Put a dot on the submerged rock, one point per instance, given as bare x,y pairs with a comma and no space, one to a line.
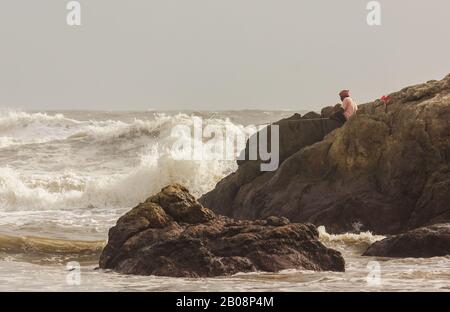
425,242
386,170
171,234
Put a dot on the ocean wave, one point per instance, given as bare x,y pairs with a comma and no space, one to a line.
159,127
157,167
116,129
360,241
84,174
23,128
10,119
124,190
26,128
7,141
49,250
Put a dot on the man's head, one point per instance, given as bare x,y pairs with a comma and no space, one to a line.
344,94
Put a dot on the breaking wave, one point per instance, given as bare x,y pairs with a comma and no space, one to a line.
24,128
48,250
110,163
358,242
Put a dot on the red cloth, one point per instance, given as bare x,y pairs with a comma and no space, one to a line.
344,93
384,99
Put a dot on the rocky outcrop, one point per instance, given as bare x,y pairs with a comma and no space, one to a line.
386,170
296,132
426,242
171,234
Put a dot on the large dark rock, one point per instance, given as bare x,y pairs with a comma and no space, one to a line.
296,132
171,234
426,242
386,170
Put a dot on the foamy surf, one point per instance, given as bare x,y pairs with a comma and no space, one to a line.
65,178
74,173
357,242
24,128
19,191
116,164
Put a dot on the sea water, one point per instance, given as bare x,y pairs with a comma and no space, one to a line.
66,177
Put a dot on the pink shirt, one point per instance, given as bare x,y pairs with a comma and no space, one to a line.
349,107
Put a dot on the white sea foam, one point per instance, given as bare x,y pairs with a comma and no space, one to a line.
24,128
357,241
10,119
112,179
64,178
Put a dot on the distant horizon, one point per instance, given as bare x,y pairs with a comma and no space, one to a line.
150,110
200,110
215,55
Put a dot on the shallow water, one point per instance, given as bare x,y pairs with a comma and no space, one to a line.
44,268
66,177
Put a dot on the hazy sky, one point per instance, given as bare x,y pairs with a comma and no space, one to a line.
215,54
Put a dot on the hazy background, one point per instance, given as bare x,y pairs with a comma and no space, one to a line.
215,54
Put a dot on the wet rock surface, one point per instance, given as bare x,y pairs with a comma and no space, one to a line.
171,234
425,242
386,170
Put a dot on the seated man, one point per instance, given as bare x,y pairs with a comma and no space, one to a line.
347,109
